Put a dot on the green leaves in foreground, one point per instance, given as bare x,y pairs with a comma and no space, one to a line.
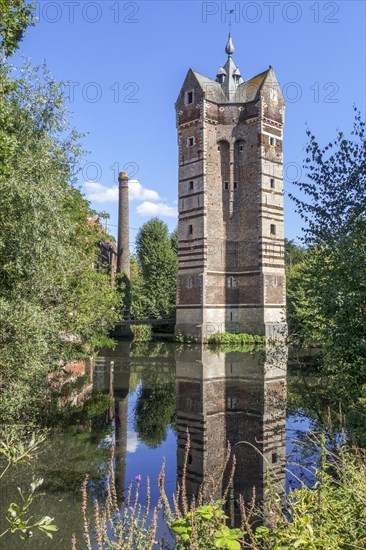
206,525
20,519
228,538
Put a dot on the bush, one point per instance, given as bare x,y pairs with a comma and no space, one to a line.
182,338
141,333
243,338
330,515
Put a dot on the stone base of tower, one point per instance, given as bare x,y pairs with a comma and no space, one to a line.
201,323
189,322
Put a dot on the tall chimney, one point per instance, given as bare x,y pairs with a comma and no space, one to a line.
123,255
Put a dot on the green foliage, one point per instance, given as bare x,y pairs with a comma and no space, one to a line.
182,338
228,338
205,528
19,516
15,17
328,293
159,264
174,240
51,295
294,254
20,520
139,301
332,514
141,333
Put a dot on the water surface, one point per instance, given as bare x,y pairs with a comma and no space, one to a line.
160,393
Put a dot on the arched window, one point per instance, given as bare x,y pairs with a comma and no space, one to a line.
224,148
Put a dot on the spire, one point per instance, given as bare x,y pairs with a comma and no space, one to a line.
229,75
229,46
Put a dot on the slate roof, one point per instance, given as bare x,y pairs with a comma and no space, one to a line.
247,91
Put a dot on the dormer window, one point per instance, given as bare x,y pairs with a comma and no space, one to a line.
190,142
221,75
189,97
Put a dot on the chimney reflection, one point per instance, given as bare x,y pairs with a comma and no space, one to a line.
112,375
238,398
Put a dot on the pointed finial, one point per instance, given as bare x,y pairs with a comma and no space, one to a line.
229,46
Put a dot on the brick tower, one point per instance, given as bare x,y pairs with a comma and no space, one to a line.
231,239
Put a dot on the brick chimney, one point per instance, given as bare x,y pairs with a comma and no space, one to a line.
123,256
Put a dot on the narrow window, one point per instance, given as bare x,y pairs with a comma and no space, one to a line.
236,184
189,97
272,141
226,185
190,282
190,230
218,147
272,183
273,229
190,142
274,458
182,203
189,459
232,402
230,283
275,280
231,315
241,148
198,200
191,185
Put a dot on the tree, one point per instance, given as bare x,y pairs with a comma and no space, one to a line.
174,240
159,264
53,302
139,300
335,188
331,293
15,17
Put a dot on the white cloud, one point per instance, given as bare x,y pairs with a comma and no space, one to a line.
132,442
148,208
98,192
140,193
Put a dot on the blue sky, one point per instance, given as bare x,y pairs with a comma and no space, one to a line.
127,62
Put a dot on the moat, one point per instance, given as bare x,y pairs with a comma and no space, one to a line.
158,391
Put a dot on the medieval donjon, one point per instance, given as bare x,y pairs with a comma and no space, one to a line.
231,238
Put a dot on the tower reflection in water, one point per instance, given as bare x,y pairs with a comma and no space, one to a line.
221,397
237,398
